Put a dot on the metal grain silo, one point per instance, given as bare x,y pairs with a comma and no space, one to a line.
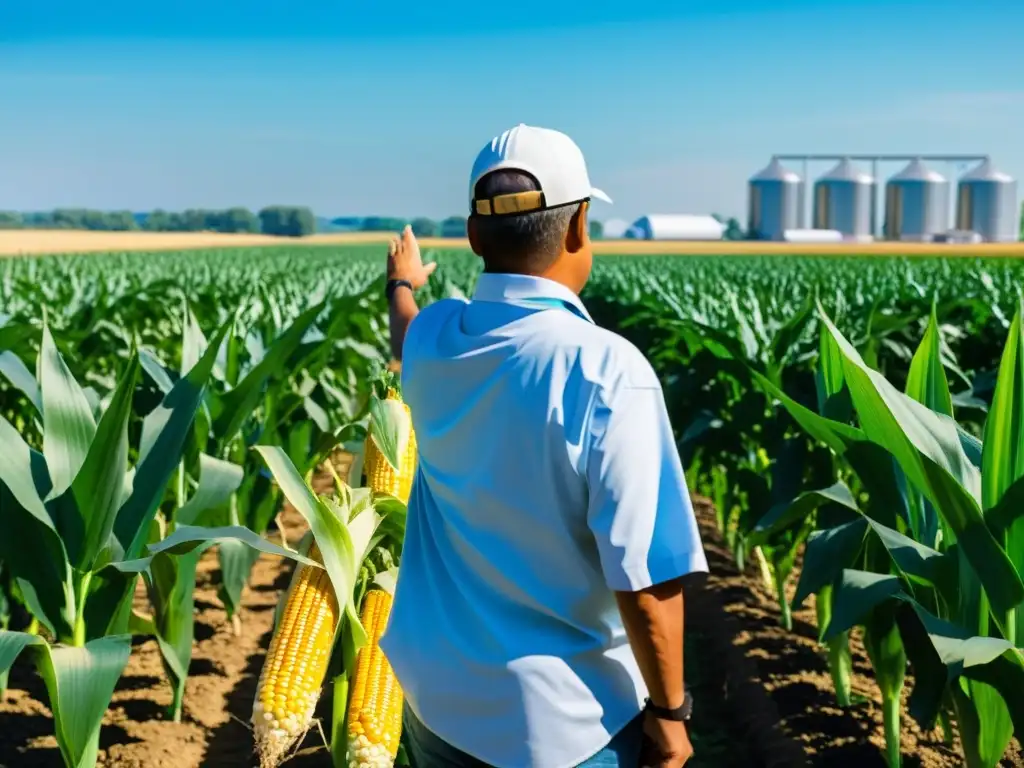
987,204
916,204
776,202
843,200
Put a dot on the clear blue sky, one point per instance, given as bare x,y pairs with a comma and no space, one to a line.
379,106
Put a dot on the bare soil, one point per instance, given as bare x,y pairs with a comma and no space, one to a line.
764,696
40,241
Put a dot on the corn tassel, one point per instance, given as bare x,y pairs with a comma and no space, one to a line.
381,477
375,710
296,663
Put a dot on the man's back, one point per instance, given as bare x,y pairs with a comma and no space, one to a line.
505,630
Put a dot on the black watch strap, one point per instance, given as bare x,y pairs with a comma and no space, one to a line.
680,714
394,285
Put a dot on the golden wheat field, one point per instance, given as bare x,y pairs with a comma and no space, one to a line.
31,241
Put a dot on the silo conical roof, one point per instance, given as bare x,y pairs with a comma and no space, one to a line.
775,171
847,171
986,171
918,171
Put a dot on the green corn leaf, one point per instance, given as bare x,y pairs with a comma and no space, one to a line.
168,427
1008,510
1003,451
171,585
193,341
784,515
1003,454
983,721
155,370
30,545
827,554
218,479
186,538
830,383
926,381
389,429
914,560
80,683
834,434
16,372
25,473
98,486
68,423
237,405
236,561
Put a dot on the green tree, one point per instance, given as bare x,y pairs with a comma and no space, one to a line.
11,220
240,220
383,224
733,230
596,230
454,226
423,227
157,221
121,221
287,221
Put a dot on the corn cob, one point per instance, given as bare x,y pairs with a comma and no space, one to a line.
296,663
381,477
375,709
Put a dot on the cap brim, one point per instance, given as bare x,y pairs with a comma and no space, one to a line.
599,194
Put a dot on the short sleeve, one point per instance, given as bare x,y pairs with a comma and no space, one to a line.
639,507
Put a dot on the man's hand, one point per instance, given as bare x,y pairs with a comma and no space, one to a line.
405,263
666,743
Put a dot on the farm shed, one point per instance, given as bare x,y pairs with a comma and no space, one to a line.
676,227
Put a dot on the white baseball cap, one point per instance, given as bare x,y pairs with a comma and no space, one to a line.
549,156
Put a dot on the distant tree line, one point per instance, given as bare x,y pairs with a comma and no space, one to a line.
453,226
284,220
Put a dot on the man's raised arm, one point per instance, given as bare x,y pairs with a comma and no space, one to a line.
405,264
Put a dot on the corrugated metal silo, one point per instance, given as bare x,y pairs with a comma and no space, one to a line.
916,204
987,204
843,201
775,202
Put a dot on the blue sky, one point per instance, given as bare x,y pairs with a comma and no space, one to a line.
380,107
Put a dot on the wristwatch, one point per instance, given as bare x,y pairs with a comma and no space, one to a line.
394,285
680,714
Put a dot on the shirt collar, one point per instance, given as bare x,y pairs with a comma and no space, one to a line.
511,288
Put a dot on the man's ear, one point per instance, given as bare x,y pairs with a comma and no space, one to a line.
578,235
471,233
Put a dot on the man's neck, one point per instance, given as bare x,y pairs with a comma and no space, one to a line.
551,274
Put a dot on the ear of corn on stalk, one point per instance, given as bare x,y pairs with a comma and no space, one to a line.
296,663
381,476
375,709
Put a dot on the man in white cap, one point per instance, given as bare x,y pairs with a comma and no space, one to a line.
538,619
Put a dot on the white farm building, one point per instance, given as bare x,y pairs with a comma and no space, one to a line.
663,226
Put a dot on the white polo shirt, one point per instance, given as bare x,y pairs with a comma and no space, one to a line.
548,477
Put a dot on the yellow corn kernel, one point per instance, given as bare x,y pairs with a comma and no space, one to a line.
296,664
381,477
375,707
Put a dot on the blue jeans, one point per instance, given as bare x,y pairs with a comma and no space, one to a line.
429,751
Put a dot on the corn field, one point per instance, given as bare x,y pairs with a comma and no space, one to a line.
857,423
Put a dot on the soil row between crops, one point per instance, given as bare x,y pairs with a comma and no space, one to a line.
739,724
